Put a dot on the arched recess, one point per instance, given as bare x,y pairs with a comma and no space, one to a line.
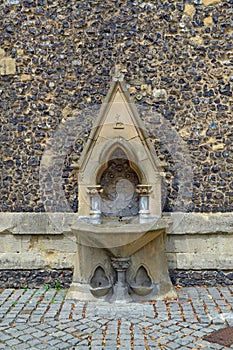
128,152
142,276
119,127
119,178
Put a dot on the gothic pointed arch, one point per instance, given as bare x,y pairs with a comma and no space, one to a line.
119,147
119,181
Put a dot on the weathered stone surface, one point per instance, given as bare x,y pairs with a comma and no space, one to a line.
7,66
199,241
189,9
201,277
2,53
160,94
208,21
35,278
61,223
64,56
36,223
210,2
194,241
56,59
25,77
36,259
196,40
201,223
63,278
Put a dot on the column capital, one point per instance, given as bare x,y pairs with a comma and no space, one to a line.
121,263
94,190
144,190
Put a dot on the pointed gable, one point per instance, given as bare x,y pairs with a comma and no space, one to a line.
119,130
118,119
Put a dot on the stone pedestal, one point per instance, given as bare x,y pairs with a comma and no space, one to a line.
121,287
122,175
122,263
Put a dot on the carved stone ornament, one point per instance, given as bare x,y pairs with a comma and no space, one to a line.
119,157
119,229
144,190
121,263
94,190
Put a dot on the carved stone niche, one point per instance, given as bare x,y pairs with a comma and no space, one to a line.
118,174
120,232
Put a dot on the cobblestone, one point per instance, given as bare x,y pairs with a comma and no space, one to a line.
53,322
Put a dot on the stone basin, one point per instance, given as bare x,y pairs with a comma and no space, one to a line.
119,239
140,289
120,261
100,291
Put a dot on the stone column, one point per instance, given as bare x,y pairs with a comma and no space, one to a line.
144,193
120,289
95,203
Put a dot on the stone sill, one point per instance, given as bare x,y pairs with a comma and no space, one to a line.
60,223
201,223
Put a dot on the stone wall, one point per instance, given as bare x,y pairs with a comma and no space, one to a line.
45,241
201,277
46,278
56,59
50,278
200,241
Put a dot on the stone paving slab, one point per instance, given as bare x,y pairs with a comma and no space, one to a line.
44,319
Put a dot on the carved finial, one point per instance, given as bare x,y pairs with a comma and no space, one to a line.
118,75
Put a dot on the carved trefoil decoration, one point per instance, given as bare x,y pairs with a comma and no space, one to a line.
119,160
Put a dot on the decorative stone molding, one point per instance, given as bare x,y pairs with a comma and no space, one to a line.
119,130
144,193
121,288
195,241
121,264
95,203
60,223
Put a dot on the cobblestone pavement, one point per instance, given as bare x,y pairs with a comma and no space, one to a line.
43,319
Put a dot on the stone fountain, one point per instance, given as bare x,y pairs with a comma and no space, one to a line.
120,231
